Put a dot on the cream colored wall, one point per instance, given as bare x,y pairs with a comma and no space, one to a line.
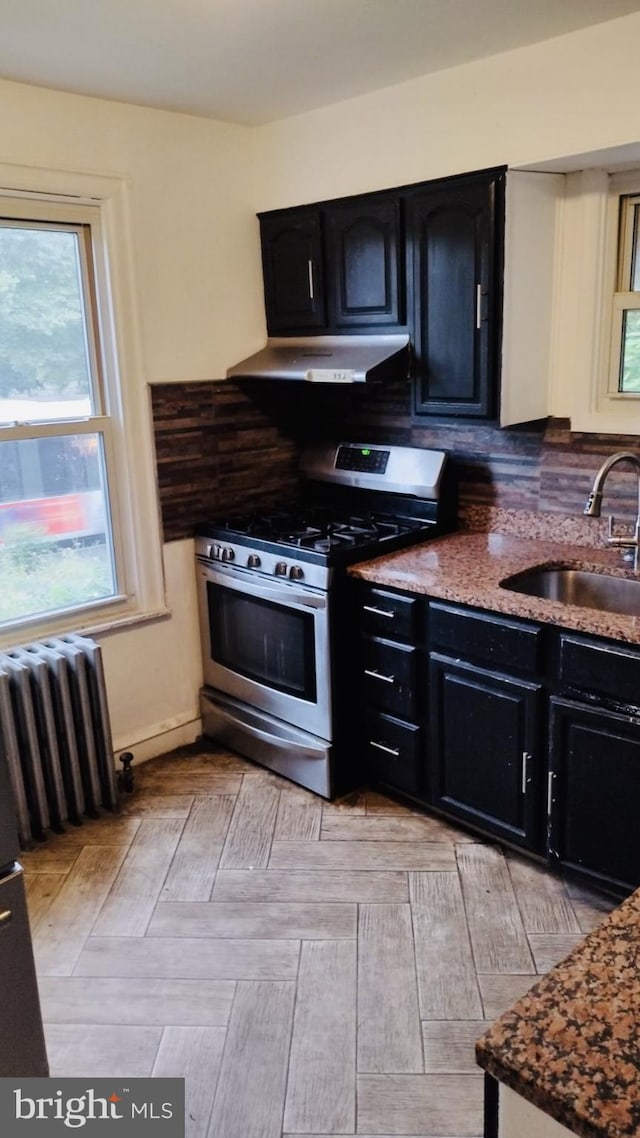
194,231
569,95
198,285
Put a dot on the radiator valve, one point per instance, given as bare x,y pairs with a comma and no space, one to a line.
125,776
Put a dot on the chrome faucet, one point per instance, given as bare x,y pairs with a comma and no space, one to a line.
594,502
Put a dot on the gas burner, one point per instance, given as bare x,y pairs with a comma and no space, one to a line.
301,536
319,528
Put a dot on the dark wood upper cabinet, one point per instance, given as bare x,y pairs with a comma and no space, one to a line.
454,236
465,265
364,270
292,264
334,268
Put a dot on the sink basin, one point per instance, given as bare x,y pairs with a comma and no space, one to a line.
579,587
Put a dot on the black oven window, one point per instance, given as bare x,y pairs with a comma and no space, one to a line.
263,641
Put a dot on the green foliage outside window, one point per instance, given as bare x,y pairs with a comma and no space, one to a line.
630,369
42,339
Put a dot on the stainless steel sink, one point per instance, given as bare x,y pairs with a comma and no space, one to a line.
579,587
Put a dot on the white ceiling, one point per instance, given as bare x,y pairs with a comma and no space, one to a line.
253,61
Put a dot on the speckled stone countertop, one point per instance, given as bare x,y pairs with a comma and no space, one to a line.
467,567
571,1045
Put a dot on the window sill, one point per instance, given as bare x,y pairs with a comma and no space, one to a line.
26,633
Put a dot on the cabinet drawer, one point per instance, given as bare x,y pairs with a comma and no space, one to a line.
389,676
496,640
393,751
600,669
387,614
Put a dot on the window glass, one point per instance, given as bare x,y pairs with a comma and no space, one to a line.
56,539
635,253
55,532
625,337
630,355
45,368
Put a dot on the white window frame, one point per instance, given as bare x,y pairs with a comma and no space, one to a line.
124,419
622,200
581,386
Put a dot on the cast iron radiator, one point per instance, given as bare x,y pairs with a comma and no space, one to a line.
54,730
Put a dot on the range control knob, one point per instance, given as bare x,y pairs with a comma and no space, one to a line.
296,572
280,569
227,554
253,561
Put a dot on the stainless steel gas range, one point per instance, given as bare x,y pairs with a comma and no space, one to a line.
274,604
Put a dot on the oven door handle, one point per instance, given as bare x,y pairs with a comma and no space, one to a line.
281,741
252,587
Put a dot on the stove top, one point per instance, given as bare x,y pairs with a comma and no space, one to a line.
306,545
317,528
358,501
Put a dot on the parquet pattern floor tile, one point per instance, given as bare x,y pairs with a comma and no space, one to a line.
309,968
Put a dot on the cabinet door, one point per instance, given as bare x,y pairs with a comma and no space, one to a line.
292,266
484,749
365,278
593,793
452,235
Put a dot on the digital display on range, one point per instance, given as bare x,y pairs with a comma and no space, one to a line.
365,460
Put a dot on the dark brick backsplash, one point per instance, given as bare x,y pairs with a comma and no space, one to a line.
224,447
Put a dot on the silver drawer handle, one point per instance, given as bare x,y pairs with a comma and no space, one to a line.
6,916
378,612
379,676
310,271
383,747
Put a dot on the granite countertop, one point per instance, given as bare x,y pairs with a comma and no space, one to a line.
467,568
571,1045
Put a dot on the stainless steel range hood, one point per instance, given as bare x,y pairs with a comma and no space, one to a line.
328,359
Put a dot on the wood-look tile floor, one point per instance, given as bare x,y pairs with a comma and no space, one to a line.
309,968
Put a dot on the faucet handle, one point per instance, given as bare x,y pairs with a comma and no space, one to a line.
622,537
627,540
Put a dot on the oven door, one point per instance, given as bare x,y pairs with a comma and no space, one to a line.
267,643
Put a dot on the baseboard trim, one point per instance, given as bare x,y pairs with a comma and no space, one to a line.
159,741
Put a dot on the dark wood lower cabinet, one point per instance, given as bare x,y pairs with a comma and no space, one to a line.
521,731
484,749
594,793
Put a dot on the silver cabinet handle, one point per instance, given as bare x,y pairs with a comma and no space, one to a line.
6,917
478,306
379,612
383,747
525,759
379,676
310,269
550,778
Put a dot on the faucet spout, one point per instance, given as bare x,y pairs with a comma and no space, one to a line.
594,501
